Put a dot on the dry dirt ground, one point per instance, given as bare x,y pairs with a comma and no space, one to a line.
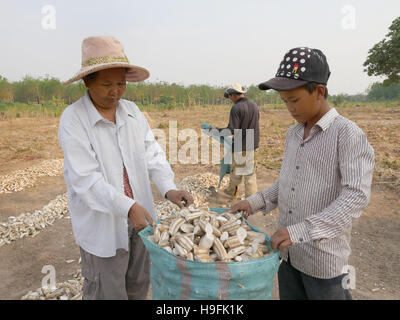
375,235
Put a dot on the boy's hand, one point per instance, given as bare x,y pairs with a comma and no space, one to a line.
244,206
281,239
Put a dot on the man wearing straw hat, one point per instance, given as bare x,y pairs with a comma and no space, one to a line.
110,156
244,126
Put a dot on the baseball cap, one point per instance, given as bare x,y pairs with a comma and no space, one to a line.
299,66
234,88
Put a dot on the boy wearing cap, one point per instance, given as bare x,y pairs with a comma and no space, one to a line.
244,126
324,182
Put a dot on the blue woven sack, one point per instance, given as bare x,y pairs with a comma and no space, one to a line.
176,278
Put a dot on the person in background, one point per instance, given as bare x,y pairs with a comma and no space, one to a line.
110,156
244,126
324,182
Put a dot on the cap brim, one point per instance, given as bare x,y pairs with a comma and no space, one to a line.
282,84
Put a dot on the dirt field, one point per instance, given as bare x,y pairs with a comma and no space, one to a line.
375,235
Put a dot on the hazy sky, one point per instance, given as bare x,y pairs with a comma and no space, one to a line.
215,42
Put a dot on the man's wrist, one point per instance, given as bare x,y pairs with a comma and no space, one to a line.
256,202
131,210
122,205
168,192
166,187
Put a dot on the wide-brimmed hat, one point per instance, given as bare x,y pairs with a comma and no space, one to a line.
235,88
299,66
105,52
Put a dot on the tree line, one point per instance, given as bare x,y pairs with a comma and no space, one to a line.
40,90
166,95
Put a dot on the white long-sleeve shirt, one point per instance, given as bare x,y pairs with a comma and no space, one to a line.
95,150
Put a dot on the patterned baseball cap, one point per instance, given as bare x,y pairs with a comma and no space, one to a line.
299,66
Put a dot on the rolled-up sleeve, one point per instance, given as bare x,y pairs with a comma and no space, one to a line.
84,174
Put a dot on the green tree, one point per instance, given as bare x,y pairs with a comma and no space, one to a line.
50,88
379,92
6,90
27,90
73,92
338,100
384,58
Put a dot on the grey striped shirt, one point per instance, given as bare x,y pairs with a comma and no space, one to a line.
324,182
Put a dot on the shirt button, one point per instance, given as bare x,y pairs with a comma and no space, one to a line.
297,167
292,189
301,239
302,145
290,211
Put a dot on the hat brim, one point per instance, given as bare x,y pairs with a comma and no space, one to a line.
134,74
233,91
282,84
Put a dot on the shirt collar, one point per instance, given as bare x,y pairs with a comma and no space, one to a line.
327,119
122,114
241,99
323,123
94,116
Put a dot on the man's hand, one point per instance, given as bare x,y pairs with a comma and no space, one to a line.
281,239
181,198
139,217
244,206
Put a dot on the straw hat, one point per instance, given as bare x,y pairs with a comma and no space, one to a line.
99,53
234,88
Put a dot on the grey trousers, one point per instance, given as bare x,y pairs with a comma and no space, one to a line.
295,285
125,276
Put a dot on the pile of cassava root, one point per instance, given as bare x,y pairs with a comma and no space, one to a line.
199,234
22,179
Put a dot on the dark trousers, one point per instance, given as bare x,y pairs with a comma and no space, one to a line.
295,285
